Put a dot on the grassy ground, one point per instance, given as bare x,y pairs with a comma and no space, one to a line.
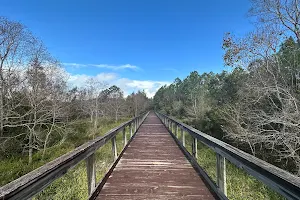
72,185
240,185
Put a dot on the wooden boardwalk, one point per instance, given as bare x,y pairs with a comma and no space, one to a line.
153,167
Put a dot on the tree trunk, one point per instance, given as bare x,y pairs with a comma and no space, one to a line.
1,112
96,118
116,116
50,131
30,147
91,117
1,102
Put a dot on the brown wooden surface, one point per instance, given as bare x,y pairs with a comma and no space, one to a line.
153,167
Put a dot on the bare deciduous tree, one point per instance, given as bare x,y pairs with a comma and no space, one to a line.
266,114
282,14
15,44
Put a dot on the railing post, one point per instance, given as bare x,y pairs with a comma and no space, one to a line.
177,127
124,136
130,127
135,125
91,173
194,148
183,137
221,173
114,147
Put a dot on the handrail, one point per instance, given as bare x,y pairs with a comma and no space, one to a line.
283,182
32,183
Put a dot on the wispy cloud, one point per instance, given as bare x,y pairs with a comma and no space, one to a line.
107,66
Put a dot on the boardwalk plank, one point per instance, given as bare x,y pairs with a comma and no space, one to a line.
153,167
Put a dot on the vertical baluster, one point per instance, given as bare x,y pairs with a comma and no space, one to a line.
124,136
91,173
183,137
114,147
194,148
177,127
221,173
130,128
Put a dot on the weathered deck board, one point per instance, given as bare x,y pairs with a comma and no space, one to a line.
153,167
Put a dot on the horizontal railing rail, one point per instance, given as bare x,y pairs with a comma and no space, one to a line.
32,183
281,181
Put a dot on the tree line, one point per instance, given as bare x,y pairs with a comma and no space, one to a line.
254,106
37,107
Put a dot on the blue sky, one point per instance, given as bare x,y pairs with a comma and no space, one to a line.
136,44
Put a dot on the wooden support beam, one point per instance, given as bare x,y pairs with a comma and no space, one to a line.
221,173
176,133
130,128
194,148
114,148
124,136
183,137
91,173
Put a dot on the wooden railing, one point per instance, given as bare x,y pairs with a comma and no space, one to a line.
279,180
32,183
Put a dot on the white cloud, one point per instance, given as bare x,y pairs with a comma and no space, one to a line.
80,80
107,66
127,85
76,65
150,87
